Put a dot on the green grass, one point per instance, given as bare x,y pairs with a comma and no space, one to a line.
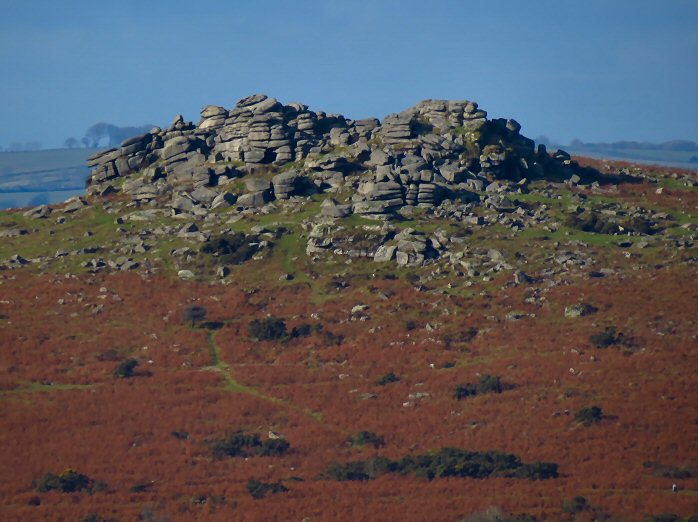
675,184
290,249
683,218
288,254
564,234
679,232
357,220
537,199
69,235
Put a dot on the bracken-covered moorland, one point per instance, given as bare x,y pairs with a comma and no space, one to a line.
542,369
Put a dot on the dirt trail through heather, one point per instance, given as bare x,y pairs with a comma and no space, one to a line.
236,387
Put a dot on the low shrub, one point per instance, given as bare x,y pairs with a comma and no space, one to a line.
589,415
302,330
367,438
675,472
267,329
69,481
232,249
126,369
259,489
487,384
536,471
591,222
361,469
387,379
237,444
463,391
605,339
141,487
460,337
611,337
273,448
576,505
332,339
446,462
212,325
490,384
193,314
305,329
241,444
639,225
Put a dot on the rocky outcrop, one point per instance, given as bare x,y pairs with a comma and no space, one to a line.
433,152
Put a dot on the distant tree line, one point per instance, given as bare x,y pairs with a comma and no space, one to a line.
100,134
17,146
104,134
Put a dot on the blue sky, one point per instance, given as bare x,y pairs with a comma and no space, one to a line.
597,70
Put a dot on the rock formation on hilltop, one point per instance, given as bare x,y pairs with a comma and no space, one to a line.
453,190
435,151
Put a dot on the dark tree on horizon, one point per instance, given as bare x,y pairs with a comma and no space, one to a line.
110,135
71,143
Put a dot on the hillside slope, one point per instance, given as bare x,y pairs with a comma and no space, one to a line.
398,320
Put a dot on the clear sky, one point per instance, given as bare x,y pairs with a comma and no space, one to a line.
597,70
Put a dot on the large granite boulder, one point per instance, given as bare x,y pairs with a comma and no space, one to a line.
287,183
331,209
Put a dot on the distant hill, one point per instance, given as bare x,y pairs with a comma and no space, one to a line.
42,176
15,166
673,145
675,152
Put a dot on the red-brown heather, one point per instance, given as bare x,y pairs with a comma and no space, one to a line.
120,430
147,437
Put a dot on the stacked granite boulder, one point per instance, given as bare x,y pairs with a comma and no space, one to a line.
435,151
